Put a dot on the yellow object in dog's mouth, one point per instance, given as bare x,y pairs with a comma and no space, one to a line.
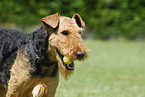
67,60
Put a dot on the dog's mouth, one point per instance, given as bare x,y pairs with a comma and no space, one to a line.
68,65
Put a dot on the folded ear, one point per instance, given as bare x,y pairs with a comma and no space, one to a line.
51,21
79,20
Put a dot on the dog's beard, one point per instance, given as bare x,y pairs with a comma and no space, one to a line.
64,72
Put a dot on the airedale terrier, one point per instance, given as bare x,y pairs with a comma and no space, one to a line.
30,63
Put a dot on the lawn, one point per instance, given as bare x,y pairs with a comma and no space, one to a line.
113,69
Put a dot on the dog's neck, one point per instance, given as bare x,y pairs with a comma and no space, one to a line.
42,48
52,54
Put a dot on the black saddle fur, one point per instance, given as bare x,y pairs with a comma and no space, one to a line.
34,45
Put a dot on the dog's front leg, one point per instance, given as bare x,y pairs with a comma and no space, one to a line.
19,78
39,90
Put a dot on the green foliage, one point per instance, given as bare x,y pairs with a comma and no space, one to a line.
104,18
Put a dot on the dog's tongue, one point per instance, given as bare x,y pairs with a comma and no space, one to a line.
72,64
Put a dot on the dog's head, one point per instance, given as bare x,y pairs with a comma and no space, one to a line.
65,42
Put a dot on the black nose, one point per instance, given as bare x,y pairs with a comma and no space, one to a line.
80,55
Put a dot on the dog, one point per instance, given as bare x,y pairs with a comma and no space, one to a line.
30,63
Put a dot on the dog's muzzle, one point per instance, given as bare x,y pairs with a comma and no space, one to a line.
67,66
68,62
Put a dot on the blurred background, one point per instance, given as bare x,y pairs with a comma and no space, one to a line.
114,34
104,19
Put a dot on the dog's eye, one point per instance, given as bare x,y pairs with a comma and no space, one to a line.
65,33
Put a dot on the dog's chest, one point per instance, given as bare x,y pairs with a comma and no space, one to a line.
23,82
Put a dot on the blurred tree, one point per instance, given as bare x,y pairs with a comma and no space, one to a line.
105,19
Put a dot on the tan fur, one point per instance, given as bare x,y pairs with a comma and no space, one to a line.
67,45
21,83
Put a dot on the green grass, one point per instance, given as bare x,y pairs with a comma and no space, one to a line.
113,69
